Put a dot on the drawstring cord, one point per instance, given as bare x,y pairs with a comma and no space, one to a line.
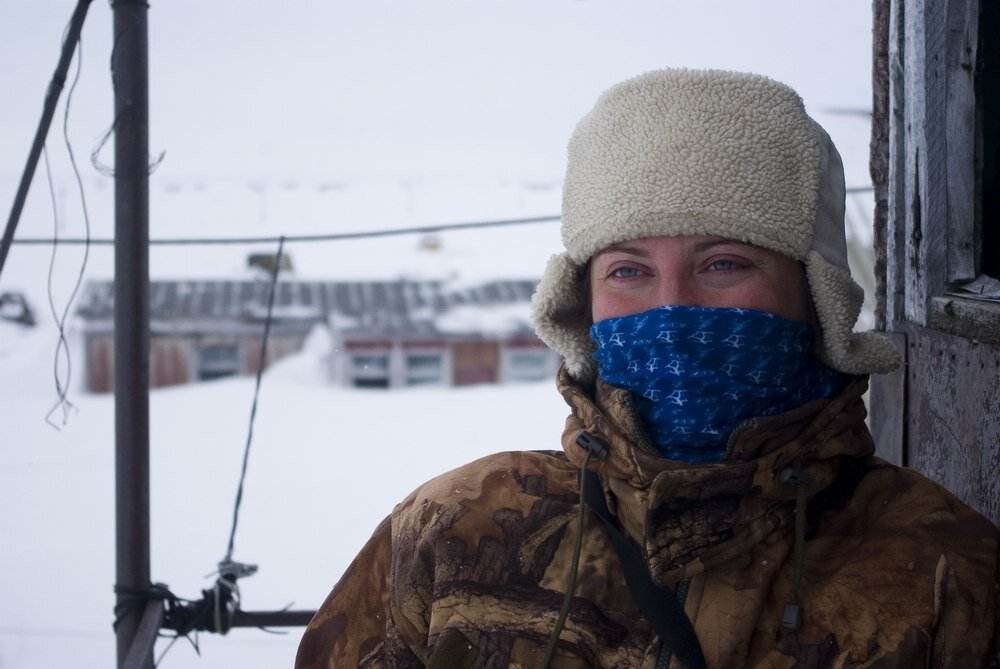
550,648
791,619
597,448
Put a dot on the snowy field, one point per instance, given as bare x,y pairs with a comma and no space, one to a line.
326,465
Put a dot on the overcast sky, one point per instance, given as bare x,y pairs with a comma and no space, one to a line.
334,90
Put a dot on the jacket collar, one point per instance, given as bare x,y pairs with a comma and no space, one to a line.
692,517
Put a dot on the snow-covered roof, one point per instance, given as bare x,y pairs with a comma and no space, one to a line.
354,309
372,310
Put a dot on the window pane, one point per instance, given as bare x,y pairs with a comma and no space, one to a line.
528,360
371,362
527,365
423,381
424,362
217,360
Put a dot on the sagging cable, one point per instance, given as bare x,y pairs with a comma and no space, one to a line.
48,112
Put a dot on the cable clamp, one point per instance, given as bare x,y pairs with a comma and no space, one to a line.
794,476
226,594
593,445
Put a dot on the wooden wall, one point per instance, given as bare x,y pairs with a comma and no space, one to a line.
173,359
475,362
940,413
953,403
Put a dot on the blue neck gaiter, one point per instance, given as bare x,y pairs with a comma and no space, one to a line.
697,373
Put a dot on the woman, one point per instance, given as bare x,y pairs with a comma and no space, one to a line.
717,503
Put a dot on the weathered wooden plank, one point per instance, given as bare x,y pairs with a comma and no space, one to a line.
887,408
878,164
932,191
914,174
978,320
960,129
926,154
896,196
953,415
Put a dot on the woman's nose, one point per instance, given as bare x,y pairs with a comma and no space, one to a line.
674,289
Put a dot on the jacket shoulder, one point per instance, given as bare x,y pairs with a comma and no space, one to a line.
904,519
468,522
899,497
475,544
352,621
917,568
496,479
481,501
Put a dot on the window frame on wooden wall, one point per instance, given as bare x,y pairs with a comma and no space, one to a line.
935,189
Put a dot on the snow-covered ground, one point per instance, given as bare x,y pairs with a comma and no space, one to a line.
326,465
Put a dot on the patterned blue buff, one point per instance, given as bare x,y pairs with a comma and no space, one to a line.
697,373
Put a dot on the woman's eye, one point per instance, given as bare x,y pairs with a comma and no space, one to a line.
721,265
624,272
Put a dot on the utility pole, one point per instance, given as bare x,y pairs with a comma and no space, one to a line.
130,70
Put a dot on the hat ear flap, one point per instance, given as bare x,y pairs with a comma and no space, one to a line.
837,301
560,314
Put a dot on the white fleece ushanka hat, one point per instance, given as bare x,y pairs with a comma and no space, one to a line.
687,152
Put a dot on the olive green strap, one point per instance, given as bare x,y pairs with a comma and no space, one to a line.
658,605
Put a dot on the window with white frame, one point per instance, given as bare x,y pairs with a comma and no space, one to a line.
216,361
425,368
370,369
527,364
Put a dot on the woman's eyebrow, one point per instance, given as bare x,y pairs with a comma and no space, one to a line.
623,247
702,246
712,243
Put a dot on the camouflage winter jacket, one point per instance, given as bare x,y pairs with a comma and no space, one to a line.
471,569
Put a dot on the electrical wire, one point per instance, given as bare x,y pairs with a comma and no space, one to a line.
70,39
329,237
62,346
227,563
